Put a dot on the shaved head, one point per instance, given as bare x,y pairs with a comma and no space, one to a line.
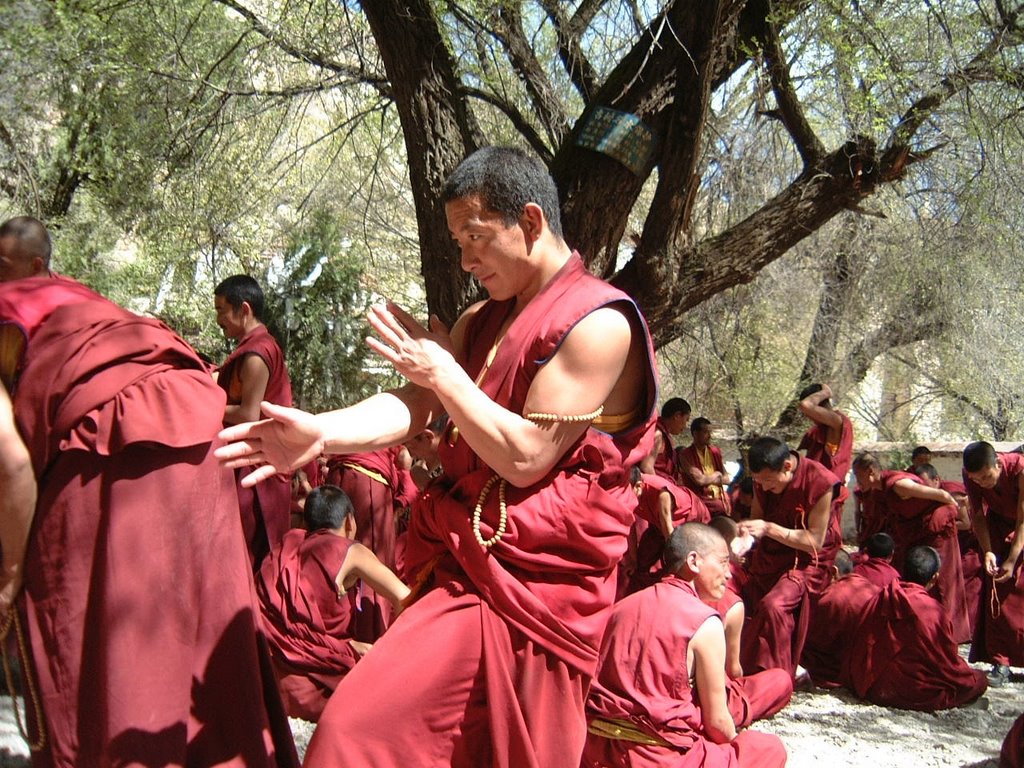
690,537
24,249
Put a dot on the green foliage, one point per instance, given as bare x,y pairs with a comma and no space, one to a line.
318,311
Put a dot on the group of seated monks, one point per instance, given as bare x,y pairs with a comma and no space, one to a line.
749,601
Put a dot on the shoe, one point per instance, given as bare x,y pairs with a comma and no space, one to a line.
999,676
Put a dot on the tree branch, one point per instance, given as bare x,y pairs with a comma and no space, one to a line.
517,118
569,32
790,111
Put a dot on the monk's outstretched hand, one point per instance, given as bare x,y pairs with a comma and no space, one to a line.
418,354
287,439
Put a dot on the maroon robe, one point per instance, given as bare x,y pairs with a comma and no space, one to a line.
872,515
906,657
370,479
1012,753
307,623
970,562
665,461
490,666
265,508
650,541
689,456
641,680
758,696
833,628
999,637
138,602
918,522
780,580
877,570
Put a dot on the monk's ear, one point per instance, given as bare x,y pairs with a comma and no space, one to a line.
789,465
532,221
693,562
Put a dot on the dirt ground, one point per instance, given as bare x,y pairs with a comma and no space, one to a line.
819,728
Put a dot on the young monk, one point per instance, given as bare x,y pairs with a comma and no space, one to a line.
877,566
995,492
701,468
797,529
675,415
905,655
306,588
642,710
829,440
138,613
835,622
254,371
550,387
378,483
918,514
661,506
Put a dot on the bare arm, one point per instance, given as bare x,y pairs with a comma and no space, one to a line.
582,376
708,649
908,489
361,563
666,506
647,464
734,618
254,376
811,407
17,504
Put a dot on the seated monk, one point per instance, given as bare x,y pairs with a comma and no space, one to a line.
306,588
877,566
701,468
906,656
642,711
661,506
834,623
751,697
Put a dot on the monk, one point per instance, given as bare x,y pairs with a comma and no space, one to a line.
829,441
377,483
730,606
920,456
661,506
701,468
834,623
675,414
741,499
643,711
797,532
905,655
877,566
138,611
254,372
995,492
25,249
918,514
550,389
307,592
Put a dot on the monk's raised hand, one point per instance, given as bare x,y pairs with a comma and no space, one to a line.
417,354
752,527
285,440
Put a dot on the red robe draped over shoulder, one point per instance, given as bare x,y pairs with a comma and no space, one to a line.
642,681
905,655
999,636
265,509
490,666
306,622
877,570
138,599
833,628
919,522
665,461
835,458
712,496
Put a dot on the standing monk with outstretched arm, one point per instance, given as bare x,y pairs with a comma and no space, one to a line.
550,389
